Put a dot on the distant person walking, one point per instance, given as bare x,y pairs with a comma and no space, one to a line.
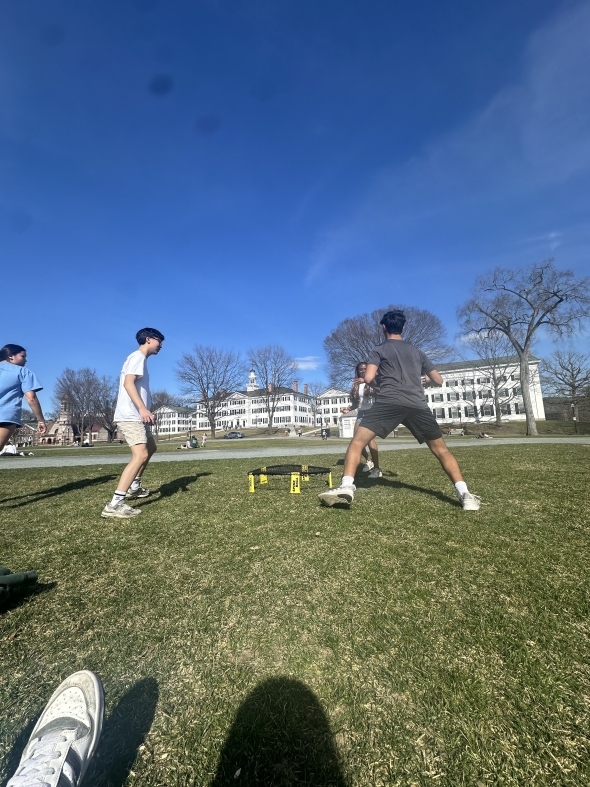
16,382
362,397
401,399
135,420
203,440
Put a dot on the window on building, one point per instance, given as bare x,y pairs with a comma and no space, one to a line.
469,412
454,413
453,397
505,409
487,409
438,397
439,412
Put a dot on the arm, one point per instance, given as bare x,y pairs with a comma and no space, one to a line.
35,406
371,373
434,378
129,386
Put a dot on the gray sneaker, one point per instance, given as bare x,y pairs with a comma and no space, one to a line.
66,735
367,467
470,502
119,511
141,492
375,473
344,494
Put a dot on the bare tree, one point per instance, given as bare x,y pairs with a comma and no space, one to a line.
518,303
104,403
165,399
209,375
79,386
496,351
567,374
353,339
314,389
274,369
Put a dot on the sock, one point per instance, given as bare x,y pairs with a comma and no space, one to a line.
347,480
136,484
118,497
461,488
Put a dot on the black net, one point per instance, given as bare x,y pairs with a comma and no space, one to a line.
288,469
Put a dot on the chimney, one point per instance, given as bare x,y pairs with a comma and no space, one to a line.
296,386
270,387
305,391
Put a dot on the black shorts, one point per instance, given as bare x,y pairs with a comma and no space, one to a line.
383,418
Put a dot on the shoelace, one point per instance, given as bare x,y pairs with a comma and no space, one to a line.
38,764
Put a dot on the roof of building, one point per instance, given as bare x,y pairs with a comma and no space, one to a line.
333,392
174,409
478,363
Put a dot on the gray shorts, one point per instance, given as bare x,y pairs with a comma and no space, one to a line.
383,418
136,432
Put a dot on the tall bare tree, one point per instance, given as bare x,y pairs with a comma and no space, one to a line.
496,351
314,389
353,339
79,386
208,375
104,403
518,303
275,369
567,374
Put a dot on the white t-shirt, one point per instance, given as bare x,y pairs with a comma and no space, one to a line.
136,363
366,400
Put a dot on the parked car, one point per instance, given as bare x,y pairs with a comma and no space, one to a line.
233,435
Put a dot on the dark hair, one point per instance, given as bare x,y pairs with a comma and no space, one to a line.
148,333
393,321
10,349
356,368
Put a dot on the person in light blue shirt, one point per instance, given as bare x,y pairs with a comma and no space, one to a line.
16,382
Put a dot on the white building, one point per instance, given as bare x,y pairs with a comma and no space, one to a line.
329,406
468,391
242,410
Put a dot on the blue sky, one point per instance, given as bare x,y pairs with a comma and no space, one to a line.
239,172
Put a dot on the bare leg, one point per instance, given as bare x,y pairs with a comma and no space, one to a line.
373,448
445,457
151,450
6,433
365,452
362,437
140,456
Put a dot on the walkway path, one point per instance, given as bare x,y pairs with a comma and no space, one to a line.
303,448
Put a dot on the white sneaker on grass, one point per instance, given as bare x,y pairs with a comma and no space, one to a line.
368,466
119,511
66,735
139,492
470,502
375,473
343,494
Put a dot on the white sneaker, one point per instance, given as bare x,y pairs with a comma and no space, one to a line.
344,494
368,466
141,491
375,473
470,502
119,511
66,735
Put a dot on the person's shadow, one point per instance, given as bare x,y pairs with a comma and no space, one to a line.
280,737
173,487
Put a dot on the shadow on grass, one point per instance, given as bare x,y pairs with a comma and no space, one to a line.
45,494
173,487
12,759
280,736
123,733
362,482
18,596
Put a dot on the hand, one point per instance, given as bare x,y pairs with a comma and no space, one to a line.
146,416
41,428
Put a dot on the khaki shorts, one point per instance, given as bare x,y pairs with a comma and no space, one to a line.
136,432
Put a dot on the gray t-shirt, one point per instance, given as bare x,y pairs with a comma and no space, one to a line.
401,365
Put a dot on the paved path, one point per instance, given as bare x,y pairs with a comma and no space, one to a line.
302,449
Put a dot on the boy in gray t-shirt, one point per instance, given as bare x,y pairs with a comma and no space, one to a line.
400,368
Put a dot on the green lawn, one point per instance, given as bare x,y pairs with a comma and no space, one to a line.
262,639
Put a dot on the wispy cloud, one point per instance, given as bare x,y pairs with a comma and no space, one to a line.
533,138
308,362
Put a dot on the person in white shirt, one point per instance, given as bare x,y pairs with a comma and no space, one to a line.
135,420
362,397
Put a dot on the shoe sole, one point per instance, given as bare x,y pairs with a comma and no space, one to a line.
471,507
109,515
332,500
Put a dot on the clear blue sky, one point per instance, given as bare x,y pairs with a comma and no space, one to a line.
239,172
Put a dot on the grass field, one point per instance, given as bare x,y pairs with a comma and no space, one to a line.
261,639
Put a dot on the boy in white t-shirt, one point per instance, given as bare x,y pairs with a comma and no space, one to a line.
135,420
